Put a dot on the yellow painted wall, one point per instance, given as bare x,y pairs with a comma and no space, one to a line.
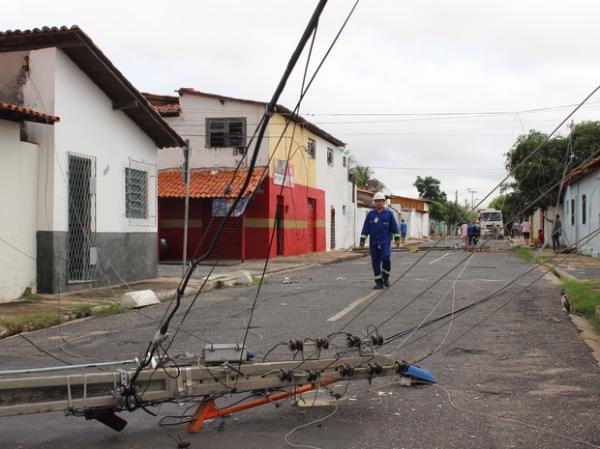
293,144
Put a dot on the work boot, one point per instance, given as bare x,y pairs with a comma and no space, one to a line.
386,282
378,286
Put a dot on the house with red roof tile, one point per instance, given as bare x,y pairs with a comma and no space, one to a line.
299,193
78,193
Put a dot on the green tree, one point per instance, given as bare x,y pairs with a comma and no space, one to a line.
547,166
429,188
361,174
498,202
455,214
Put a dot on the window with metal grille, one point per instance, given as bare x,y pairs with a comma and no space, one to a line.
344,161
225,132
330,156
136,193
572,211
583,209
311,148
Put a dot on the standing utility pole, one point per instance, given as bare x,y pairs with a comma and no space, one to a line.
472,192
186,176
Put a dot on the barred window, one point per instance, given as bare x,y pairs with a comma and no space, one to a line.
583,209
136,193
330,156
311,148
225,132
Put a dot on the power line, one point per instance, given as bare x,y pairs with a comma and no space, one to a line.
387,167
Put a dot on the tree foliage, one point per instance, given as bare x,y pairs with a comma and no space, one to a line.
439,207
429,188
361,174
547,166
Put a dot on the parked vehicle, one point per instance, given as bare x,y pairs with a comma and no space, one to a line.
491,223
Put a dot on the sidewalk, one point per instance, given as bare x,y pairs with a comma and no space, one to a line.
578,267
65,307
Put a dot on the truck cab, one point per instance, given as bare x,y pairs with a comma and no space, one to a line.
491,223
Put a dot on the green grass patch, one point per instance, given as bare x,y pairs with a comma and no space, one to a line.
31,321
412,247
528,254
256,280
82,310
524,253
110,308
29,295
584,297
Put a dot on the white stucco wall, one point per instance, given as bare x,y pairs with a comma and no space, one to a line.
191,124
18,220
338,195
88,126
589,186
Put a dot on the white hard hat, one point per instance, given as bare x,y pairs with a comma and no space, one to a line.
378,196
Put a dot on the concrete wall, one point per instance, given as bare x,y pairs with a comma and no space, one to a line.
577,231
108,135
338,195
11,76
18,185
191,124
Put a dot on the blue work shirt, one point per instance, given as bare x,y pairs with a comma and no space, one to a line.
403,228
381,227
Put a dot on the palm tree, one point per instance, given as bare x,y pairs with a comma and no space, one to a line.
362,174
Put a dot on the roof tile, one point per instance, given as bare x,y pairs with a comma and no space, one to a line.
208,183
16,112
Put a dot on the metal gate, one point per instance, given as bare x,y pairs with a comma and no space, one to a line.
81,253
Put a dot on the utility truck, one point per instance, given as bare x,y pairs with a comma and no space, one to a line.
491,223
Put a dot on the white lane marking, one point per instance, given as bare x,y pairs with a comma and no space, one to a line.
438,259
349,308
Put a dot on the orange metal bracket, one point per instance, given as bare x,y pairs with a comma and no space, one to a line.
207,410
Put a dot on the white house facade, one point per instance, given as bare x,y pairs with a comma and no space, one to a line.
581,209
96,218
340,193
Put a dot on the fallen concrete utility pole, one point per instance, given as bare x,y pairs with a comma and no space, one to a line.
99,395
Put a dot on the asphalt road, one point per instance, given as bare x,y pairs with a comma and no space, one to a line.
519,379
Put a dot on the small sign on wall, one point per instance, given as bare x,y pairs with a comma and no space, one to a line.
220,206
283,173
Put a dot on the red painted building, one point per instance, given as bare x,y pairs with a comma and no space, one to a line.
282,201
292,216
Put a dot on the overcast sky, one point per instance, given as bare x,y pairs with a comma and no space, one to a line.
395,57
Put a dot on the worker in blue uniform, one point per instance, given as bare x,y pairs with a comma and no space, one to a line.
380,226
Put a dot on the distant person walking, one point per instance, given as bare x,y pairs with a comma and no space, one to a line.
516,228
526,229
380,226
464,233
556,232
403,231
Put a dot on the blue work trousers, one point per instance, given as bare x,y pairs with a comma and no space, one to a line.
382,264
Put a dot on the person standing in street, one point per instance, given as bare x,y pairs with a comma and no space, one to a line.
403,231
526,230
556,232
464,233
380,226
